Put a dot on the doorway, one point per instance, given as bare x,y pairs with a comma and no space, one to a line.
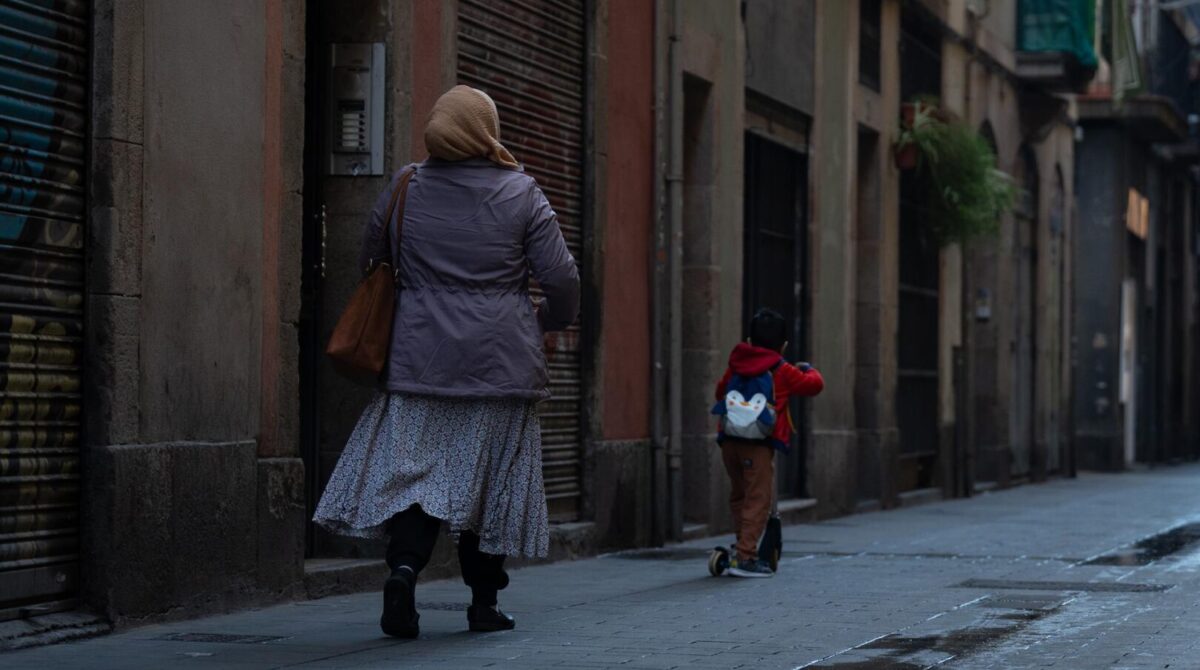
1022,417
312,275
917,345
775,270
543,99
1058,333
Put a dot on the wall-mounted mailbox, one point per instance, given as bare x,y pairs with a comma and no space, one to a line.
354,131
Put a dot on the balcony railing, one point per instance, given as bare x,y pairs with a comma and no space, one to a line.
1055,41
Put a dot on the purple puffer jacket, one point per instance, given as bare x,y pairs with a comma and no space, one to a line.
465,324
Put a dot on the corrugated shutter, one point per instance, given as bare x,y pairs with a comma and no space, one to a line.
43,118
529,56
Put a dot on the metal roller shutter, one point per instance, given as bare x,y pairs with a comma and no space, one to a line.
529,56
43,118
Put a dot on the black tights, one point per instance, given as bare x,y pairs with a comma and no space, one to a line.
413,534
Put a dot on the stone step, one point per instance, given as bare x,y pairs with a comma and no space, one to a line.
325,577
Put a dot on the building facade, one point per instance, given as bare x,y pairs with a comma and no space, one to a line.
184,190
187,183
1137,280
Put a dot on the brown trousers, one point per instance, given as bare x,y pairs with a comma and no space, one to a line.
751,468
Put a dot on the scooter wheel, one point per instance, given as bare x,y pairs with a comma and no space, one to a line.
775,561
718,561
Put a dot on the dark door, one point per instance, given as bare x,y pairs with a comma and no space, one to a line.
776,268
917,345
1055,431
1024,379
917,332
1024,388
1173,327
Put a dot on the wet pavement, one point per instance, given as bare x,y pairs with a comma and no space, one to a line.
1099,572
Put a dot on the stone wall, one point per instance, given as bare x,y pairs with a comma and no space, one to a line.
832,442
618,453
876,240
713,57
779,51
191,312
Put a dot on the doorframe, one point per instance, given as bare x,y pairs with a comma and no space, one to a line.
1028,230
312,261
789,130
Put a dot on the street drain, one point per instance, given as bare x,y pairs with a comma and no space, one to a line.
1020,601
874,664
220,638
1093,587
1152,548
1021,616
954,643
908,652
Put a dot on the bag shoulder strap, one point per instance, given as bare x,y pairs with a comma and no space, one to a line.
396,211
771,376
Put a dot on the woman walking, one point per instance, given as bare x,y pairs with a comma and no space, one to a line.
453,437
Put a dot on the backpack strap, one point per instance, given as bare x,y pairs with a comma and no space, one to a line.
771,372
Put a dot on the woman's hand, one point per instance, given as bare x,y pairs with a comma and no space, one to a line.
549,340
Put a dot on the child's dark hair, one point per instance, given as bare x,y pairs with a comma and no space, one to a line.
768,329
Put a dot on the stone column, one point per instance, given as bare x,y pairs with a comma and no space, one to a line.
831,455
877,275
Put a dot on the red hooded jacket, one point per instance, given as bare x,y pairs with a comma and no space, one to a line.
748,360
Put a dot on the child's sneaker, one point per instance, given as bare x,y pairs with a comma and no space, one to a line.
750,568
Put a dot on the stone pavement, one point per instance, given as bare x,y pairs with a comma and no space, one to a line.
1046,575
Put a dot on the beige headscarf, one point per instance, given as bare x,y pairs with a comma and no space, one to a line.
464,124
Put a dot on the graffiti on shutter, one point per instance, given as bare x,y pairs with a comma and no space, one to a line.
43,117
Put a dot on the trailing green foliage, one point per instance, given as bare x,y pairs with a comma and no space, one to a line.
965,194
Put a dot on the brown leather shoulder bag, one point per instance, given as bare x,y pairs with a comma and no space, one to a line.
361,340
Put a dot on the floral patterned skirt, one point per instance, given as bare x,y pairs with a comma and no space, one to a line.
474,464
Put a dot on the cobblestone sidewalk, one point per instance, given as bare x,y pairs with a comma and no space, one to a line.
1047,575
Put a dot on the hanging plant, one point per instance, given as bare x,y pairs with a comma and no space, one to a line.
965,194
916,128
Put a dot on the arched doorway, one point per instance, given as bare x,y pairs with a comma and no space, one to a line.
985,419
1023,404
1057,458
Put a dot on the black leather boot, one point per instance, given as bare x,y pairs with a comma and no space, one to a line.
483,619
400,618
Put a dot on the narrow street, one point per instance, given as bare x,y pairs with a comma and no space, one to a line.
1079,573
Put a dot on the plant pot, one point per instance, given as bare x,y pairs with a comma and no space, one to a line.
908,113
906,157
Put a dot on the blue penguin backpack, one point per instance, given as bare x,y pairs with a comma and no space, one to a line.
747,411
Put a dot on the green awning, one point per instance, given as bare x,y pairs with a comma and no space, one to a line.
1064,26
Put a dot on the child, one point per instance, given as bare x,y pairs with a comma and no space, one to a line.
758,382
